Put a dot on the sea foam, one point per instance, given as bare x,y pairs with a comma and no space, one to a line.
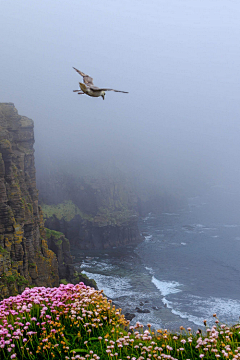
166,287
196,308
113,286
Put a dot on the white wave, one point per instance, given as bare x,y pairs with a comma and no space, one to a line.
100,265
181,314
149,269
170,214
209,228
148,238
149,216
183,243
224,308
200,308
166,287
112,286
197,227
231,226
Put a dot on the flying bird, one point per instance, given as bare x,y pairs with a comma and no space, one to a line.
91,90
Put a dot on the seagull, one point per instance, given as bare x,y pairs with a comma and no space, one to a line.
91,90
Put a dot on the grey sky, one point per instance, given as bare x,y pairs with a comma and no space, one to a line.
179,60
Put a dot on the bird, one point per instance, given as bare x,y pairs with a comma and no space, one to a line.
91,90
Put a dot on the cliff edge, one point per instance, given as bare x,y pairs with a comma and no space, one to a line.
93,213
25,258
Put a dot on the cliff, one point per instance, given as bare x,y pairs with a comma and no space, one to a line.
93,213
25,258
96,212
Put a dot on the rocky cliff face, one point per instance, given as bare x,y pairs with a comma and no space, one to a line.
25,258
92,213
59,244
85,234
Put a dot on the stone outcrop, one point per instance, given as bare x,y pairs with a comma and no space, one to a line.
94,213
85,234
100,212
59,244
25,258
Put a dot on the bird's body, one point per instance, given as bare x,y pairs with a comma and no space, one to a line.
91,90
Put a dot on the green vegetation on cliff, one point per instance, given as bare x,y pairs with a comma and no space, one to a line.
56,234
66,210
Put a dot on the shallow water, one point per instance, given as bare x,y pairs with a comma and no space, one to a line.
186,269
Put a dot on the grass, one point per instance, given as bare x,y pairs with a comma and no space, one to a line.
79,322
56,234
66,210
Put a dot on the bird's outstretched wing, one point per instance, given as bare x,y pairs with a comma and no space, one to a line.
86,78
103,89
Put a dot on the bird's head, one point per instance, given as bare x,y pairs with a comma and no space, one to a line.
103,95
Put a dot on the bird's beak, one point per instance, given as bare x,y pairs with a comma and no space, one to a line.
103,96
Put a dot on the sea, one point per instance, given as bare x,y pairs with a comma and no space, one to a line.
186,269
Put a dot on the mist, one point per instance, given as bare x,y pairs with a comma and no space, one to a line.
179,61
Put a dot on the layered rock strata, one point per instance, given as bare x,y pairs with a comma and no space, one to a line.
94,213
85,234
25,258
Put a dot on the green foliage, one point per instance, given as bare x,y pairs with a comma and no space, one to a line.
8,279
114,217
13,279
86,280
63,281
3,251
56,234
84,324
31,265
21,281
67,210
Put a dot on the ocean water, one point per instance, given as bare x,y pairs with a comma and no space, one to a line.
186,269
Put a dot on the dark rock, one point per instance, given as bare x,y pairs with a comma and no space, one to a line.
59,244
129,316
111,221
143,311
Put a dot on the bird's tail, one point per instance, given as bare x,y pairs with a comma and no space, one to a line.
83,87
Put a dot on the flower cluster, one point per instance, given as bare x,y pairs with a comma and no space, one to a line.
43,322
79,322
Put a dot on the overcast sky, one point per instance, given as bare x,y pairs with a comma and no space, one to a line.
179,60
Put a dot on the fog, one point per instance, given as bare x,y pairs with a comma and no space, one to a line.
179,60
